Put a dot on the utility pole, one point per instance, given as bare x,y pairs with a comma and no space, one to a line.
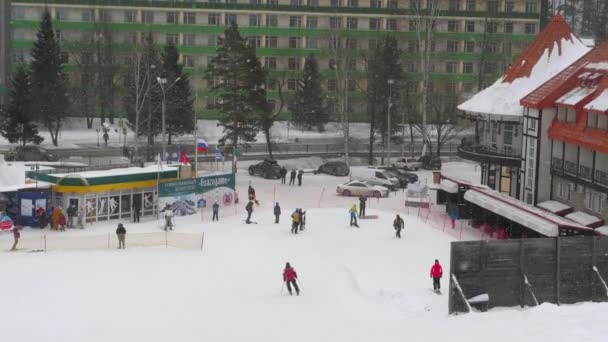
388,119
161,82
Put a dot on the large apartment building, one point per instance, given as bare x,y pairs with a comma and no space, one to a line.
286,31
5,15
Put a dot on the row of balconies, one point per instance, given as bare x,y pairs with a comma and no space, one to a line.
580,171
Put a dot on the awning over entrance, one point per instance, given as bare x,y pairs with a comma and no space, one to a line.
585,219
555,207
542,222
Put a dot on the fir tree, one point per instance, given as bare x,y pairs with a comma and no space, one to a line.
240,86
49,81
307,105
180,102
17,124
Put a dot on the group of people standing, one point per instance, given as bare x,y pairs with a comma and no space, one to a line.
298,220
292,176
59,218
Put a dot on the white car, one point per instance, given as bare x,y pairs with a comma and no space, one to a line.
358,188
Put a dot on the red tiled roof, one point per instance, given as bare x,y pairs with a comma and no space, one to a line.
548,93
556,31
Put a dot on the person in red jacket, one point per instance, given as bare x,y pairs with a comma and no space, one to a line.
436,274
290,276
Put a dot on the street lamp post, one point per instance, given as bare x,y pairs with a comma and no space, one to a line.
388,125
161,82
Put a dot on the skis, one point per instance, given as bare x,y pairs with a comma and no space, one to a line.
250,222
438,292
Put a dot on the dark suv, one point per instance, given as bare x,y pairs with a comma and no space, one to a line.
32,153
335,168
267,169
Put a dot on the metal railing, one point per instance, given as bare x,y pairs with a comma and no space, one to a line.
570,167
601,177
585,172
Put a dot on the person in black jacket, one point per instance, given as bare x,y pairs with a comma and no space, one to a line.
300,174
362,202
71,213
216,210
302,218
292,178
249,209
121,232
277,212
283,174
398,224
136,212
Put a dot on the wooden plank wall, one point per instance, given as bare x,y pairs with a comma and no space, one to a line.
559,270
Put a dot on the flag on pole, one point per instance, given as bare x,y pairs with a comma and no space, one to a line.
201,145
218,154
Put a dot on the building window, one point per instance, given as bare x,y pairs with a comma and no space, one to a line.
469,46
19,13
412,46
492,7
331,85
335,22
375,3
313,3
391,24
454,5
270,63
352,23
532,125
213,19
531,7
292,63
334,43
130,37
469,26
172,38
471,5
508,27
351,43
254,20
372,43
507,47
89,15
230,19
353,3
295,21
212,40
453,26
188,61
294,42
189,39
452,46
451,67
391,4
312,43
147,17
254,41
292,84
190,18
270,2
375,24
412,25
61,14
272,20
312,22
492,47
271,41
509,6
530,28
171,18
336,3
467,68
491,27
295,2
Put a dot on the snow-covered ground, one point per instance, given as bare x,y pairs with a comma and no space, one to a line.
357,284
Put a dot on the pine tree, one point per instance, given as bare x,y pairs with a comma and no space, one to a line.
384,65
17,125
307,105
180,102
49,81
240,86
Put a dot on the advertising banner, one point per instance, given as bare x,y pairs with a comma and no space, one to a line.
188,196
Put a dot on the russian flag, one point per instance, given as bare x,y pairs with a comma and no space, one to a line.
201,145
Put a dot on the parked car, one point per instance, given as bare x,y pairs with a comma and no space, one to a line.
358,188
403,176
374,176
408,164
335,168
32,153
428,162
267,169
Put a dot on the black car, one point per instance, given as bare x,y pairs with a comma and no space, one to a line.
32,153
335,168
267,169
404,177
431,162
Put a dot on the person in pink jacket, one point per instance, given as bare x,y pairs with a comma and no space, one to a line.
436,274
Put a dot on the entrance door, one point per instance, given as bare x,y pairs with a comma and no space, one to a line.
75,201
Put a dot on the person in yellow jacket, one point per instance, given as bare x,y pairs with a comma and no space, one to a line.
353,216
295,217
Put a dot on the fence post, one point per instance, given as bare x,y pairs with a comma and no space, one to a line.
166,242
202,240
108,240
45,242
522,270
557,270
593,261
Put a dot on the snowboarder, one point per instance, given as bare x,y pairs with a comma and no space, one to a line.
300,174
106,137
290,276
292,177
295,221
283,174
168,216
436,274
120,233
398,224
41,216
362,201
16,236
136,212
353,216
71,214
302,218
249,209
277,212
216,210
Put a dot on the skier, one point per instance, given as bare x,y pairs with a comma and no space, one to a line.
120,233
436,274
249,209
290,276
41,216
251,193
302,218
295,221
277,212
353,216
16,236
168,216
136,213
292,177
283,174
216,210
300,174
362,201
398,224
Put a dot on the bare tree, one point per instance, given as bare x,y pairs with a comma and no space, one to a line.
138,84
275,108
84,91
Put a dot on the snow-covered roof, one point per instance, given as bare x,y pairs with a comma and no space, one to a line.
600,103
117,172
602,230
554,206
554,49
17,187
584,218
597,66
11,173
539,220
448,186
576,95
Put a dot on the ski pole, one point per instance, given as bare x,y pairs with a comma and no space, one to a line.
300,283
282,287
